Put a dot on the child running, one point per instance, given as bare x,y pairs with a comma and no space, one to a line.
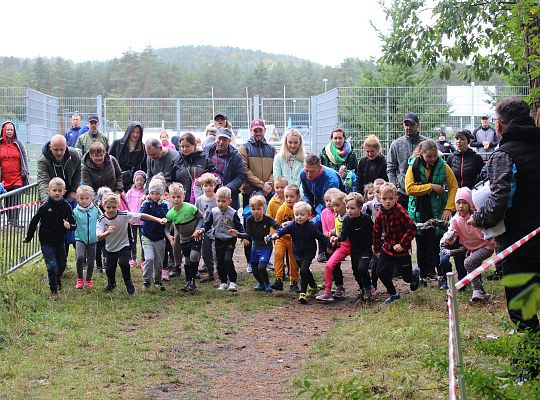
204,204
304,234
280,183
222,219
153,235
258,228
394,250
186,219
134,200
355,239
86,216
284,246
113,227
55,218
472,238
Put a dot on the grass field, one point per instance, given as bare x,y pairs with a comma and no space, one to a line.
175,345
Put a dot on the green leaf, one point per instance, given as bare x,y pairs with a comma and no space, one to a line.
527,301
516,280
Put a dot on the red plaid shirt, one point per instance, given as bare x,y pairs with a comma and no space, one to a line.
398,228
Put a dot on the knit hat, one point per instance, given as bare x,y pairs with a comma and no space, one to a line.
465,193
139,173
155,186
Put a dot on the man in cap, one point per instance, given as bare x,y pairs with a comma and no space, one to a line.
227,162
400,151
484,138
93,135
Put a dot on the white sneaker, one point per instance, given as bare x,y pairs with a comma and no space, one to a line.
232,287
248,269
222,287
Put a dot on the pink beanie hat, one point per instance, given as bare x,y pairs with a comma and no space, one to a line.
465,193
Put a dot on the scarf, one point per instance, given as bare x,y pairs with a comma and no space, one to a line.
338,156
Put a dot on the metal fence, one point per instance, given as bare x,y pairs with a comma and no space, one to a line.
16,210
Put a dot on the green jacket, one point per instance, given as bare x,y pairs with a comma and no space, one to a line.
85,141
69,169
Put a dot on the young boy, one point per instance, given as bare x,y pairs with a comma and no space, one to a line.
55,218
372,208
284,244
257,229
279,198
204,204
394,250
304,235
221,219
113,227
153,235
187,219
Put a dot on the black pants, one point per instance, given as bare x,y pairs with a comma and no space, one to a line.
121,258
360,267
306,277
15,200
192,253
100,254
427,252
385,270
373,267
225,264
247,249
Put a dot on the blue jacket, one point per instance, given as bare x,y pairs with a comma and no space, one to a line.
86,219
304,238
153,230
72,135
234,175
315,189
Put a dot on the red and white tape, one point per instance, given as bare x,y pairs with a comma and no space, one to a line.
451,355
494,260
32,203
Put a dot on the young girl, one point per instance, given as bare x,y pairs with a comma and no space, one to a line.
289,162
204,204
472,238
304,235
134,199
164,137
168,259
86,216
328,220
186,219
101,253
279,198
334,263
284,244
369,192
425,183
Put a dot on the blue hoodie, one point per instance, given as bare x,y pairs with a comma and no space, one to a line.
153,230
86,219
315,189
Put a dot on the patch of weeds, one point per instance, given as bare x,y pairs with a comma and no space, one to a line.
344,390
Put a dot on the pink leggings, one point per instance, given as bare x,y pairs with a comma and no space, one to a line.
339,255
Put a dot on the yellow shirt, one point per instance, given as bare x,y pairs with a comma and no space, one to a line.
415,189
273,206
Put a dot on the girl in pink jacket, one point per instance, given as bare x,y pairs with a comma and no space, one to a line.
478,248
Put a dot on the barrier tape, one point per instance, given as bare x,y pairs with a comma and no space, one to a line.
32,203
451,356
498,257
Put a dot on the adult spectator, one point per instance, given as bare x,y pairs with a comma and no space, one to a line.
464,162
220,121
514,177
101,169
73,133
93,135
14,172
190,165
443,145
227,162
159,159
372,166
130,153
58,160
484,138
339,152
401,150
289,162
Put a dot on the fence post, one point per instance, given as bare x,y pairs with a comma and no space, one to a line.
256,107
178,120
387,119
454,326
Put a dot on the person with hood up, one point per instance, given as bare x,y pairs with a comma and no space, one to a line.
14,172
58,160
130,153
101,169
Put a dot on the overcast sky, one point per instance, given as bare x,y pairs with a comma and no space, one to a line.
325,32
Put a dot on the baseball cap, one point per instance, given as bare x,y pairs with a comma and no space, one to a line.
220,114
224,132
93,118
411,117
485,116
257,123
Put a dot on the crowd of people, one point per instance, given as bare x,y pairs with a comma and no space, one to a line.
178,200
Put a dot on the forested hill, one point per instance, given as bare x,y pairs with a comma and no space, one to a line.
191,71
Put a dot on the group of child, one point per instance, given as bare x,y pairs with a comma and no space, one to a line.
373,229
